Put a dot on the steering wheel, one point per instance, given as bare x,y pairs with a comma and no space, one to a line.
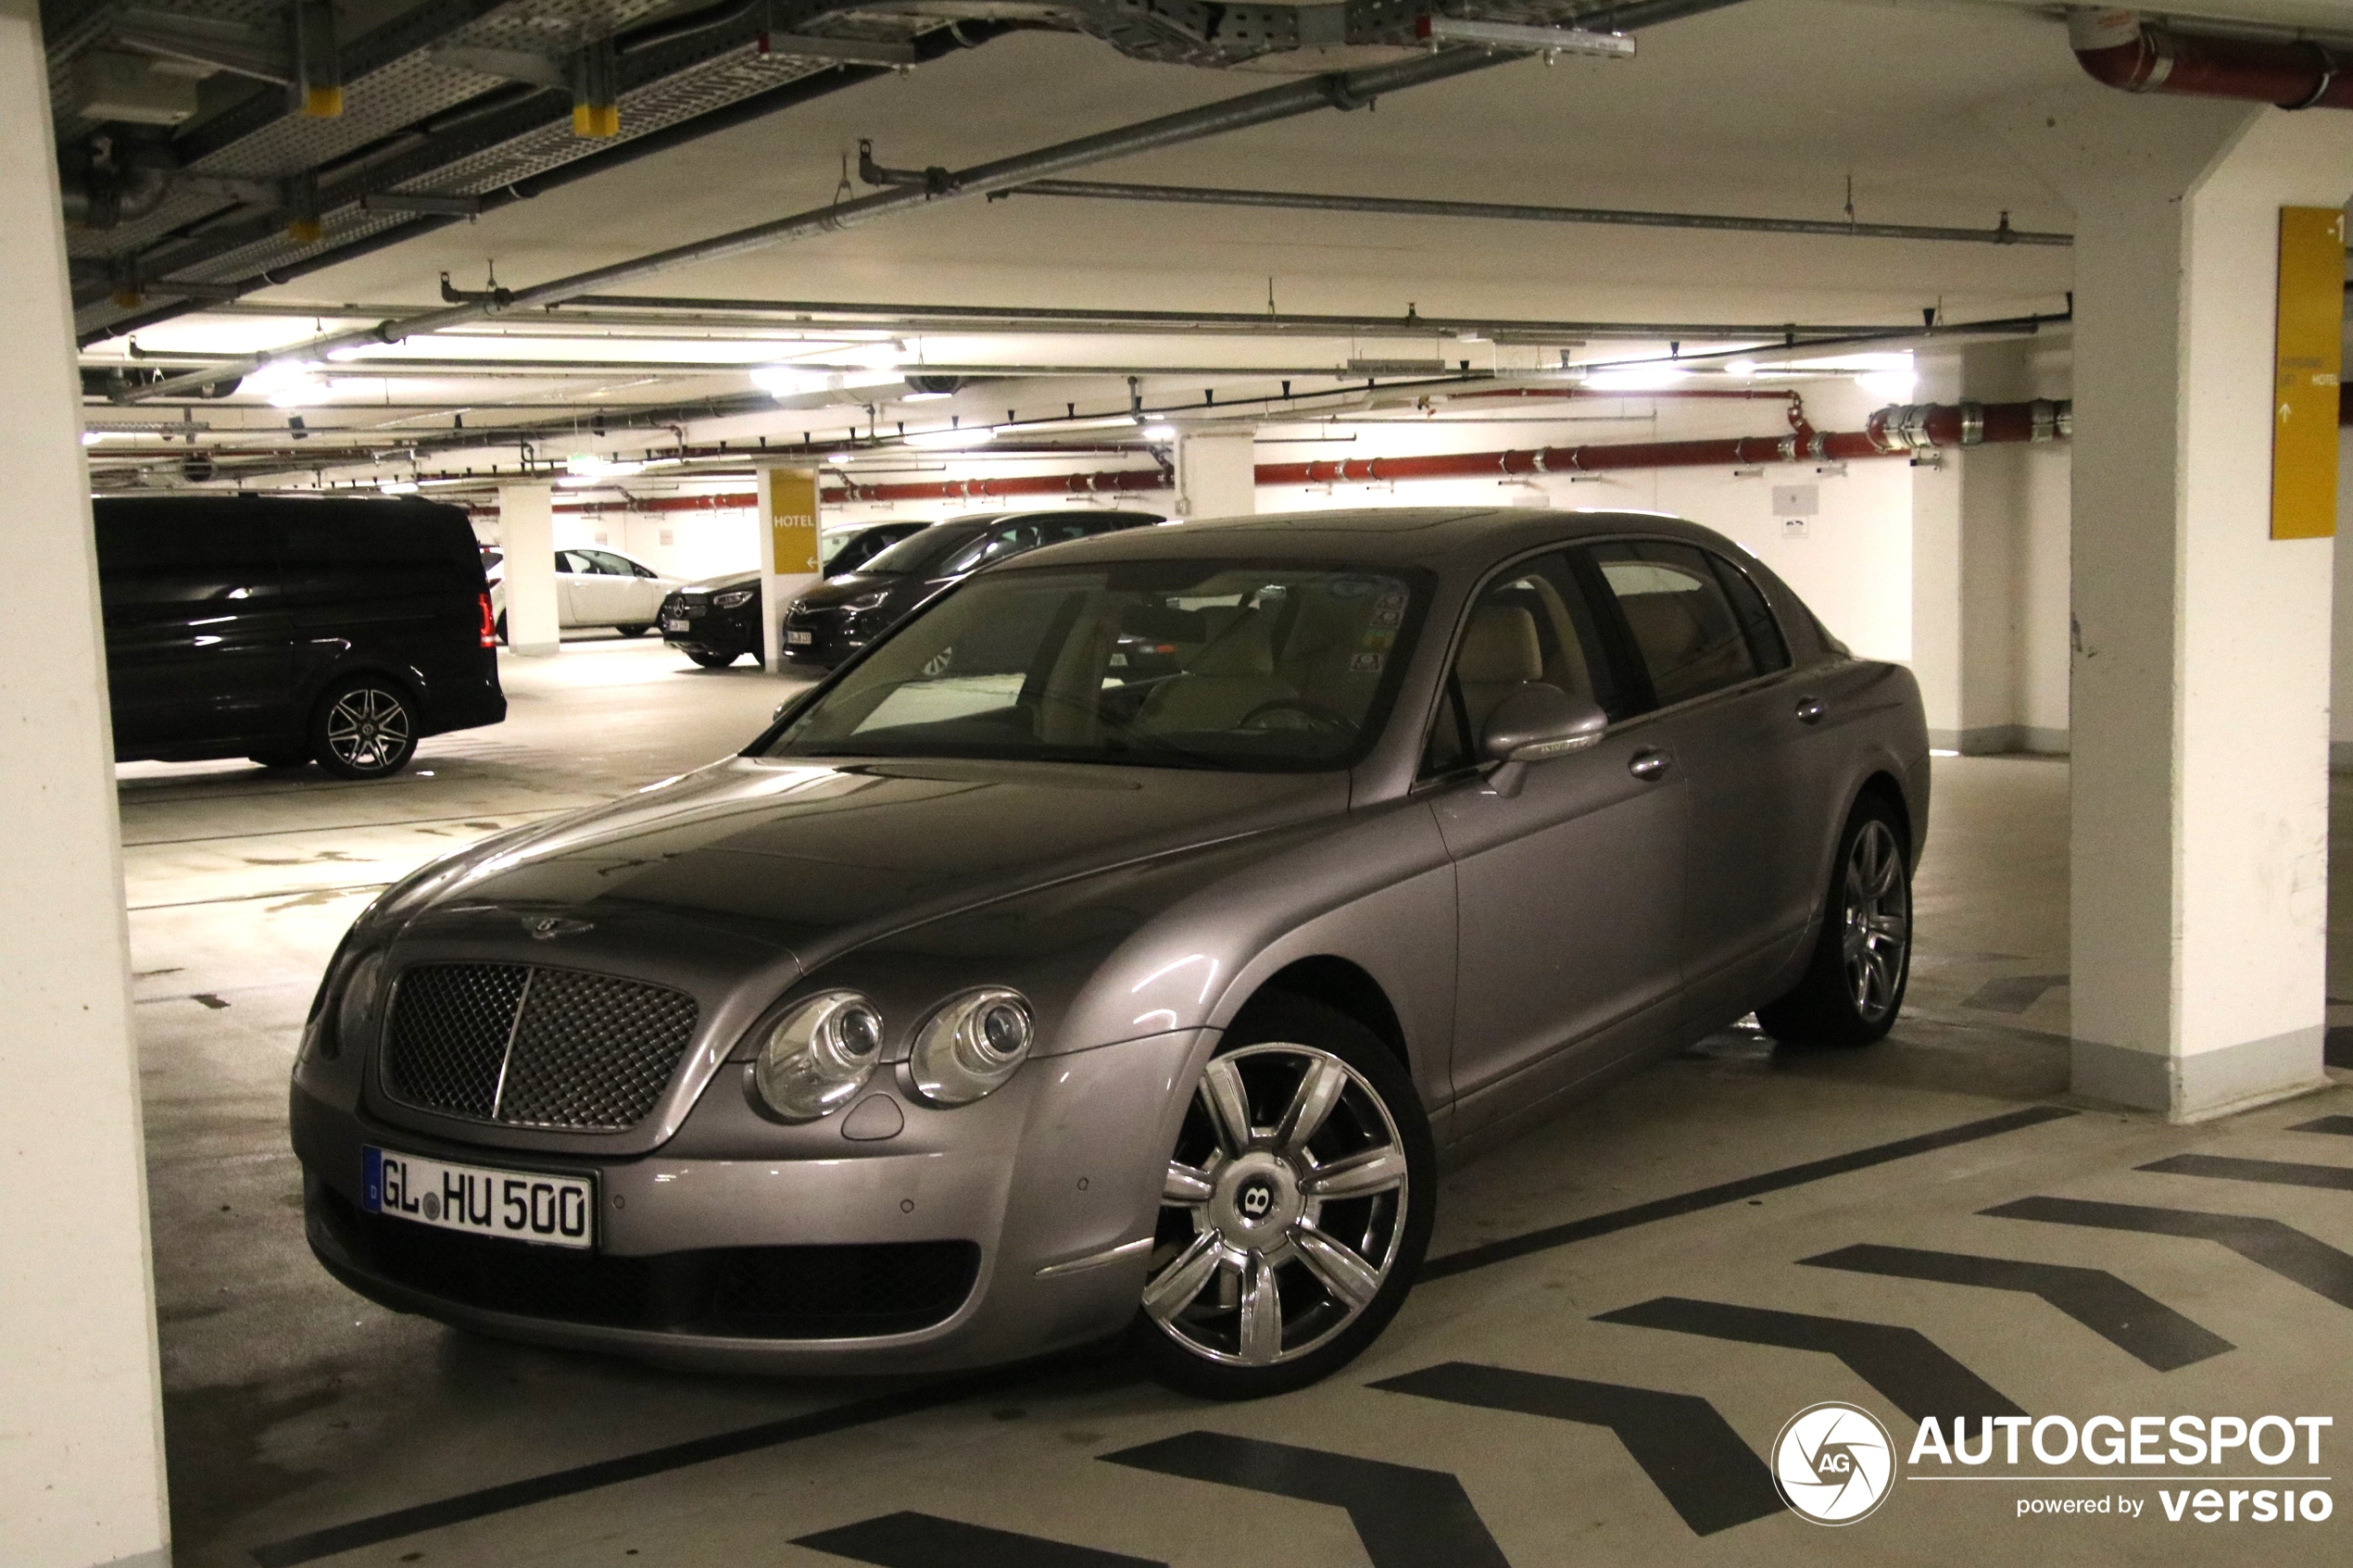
1319,716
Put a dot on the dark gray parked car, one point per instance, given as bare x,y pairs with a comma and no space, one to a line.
1002,996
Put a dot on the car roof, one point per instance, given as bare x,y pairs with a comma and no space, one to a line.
1381,535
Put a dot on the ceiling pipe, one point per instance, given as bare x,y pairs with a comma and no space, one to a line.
1394,206
1334,90
1898,431
2119,48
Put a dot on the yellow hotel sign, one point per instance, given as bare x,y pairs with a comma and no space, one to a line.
2310,359
792,519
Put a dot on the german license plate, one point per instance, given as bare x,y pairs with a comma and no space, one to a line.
523,1205
676,623
800,639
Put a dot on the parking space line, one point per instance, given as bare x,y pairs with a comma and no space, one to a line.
2268,1244
1593,1226
2341,1125
1688,1449
1405,1516
512,1495
2131,1320
2278,1173
1903,1363
925,1540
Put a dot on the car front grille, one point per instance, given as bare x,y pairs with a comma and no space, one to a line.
533,1047
749,1292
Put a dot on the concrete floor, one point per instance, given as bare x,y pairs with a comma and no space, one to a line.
308,1425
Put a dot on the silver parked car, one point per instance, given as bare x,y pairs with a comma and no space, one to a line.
1016,990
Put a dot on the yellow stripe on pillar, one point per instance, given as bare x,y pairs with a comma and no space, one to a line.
2309,358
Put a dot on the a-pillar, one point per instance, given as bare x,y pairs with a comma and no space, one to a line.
82,1477
1216,473
2199,835
528,540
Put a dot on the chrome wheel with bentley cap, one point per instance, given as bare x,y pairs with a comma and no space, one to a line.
1294,1211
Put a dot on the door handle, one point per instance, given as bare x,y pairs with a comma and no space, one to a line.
1810,711
1650,764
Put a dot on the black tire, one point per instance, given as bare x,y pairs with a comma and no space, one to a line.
1854,988
1247,1249
637,630
710,659
364,727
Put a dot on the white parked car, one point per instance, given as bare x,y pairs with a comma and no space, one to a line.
595,586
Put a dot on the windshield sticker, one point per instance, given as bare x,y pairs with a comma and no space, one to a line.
1365,664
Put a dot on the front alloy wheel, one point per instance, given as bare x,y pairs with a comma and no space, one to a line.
1294,1211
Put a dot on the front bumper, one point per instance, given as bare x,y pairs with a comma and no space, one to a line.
859,1259
710,630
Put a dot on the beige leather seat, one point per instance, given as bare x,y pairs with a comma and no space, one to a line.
1686,655
1500,654
1225,682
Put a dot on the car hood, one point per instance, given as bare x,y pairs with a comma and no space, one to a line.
816,858
718,584
855,584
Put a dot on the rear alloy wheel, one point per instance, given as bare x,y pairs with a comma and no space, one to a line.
1854,988
1294,1211
364,729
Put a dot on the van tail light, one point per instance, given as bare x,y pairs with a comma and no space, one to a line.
489,622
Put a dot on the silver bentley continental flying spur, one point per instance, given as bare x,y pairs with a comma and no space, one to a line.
1117,946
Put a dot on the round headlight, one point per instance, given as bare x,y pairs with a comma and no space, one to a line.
360,992
971,1045
819,1055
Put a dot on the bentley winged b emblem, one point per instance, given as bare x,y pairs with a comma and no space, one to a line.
546,928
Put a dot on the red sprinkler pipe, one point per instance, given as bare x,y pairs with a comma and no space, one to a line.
2117,47
1899,430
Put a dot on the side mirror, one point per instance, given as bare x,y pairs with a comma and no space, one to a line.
1533,723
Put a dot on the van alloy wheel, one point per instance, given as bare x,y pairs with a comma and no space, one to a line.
365,729
1283,1209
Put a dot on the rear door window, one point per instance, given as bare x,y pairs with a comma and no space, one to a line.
1681,625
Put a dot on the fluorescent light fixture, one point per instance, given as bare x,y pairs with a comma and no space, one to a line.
1895,385
585,466
1741,368
1533,40
926,396
952,440
279,374
1639,378
836,456
1160,433
345,356
91,437
789,381
397,488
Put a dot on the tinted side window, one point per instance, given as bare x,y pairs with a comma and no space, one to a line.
1678,616
172,554
1531,625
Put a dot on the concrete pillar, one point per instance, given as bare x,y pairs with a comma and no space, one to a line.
1216,473
1967,512
527,522
82,1475
2198,837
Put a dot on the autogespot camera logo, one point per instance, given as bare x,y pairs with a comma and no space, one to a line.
1835,1463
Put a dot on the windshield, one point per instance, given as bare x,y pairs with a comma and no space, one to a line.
918,553
1227,665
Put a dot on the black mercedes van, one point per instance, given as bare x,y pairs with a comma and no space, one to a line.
337,629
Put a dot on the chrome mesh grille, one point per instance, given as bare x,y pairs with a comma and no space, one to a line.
530,1046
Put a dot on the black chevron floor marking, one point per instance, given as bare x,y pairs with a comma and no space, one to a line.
2134,1321
1902,1363
2283,1249
1690,1452
923,1540
1406,1517
2341,1125
2278,1173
